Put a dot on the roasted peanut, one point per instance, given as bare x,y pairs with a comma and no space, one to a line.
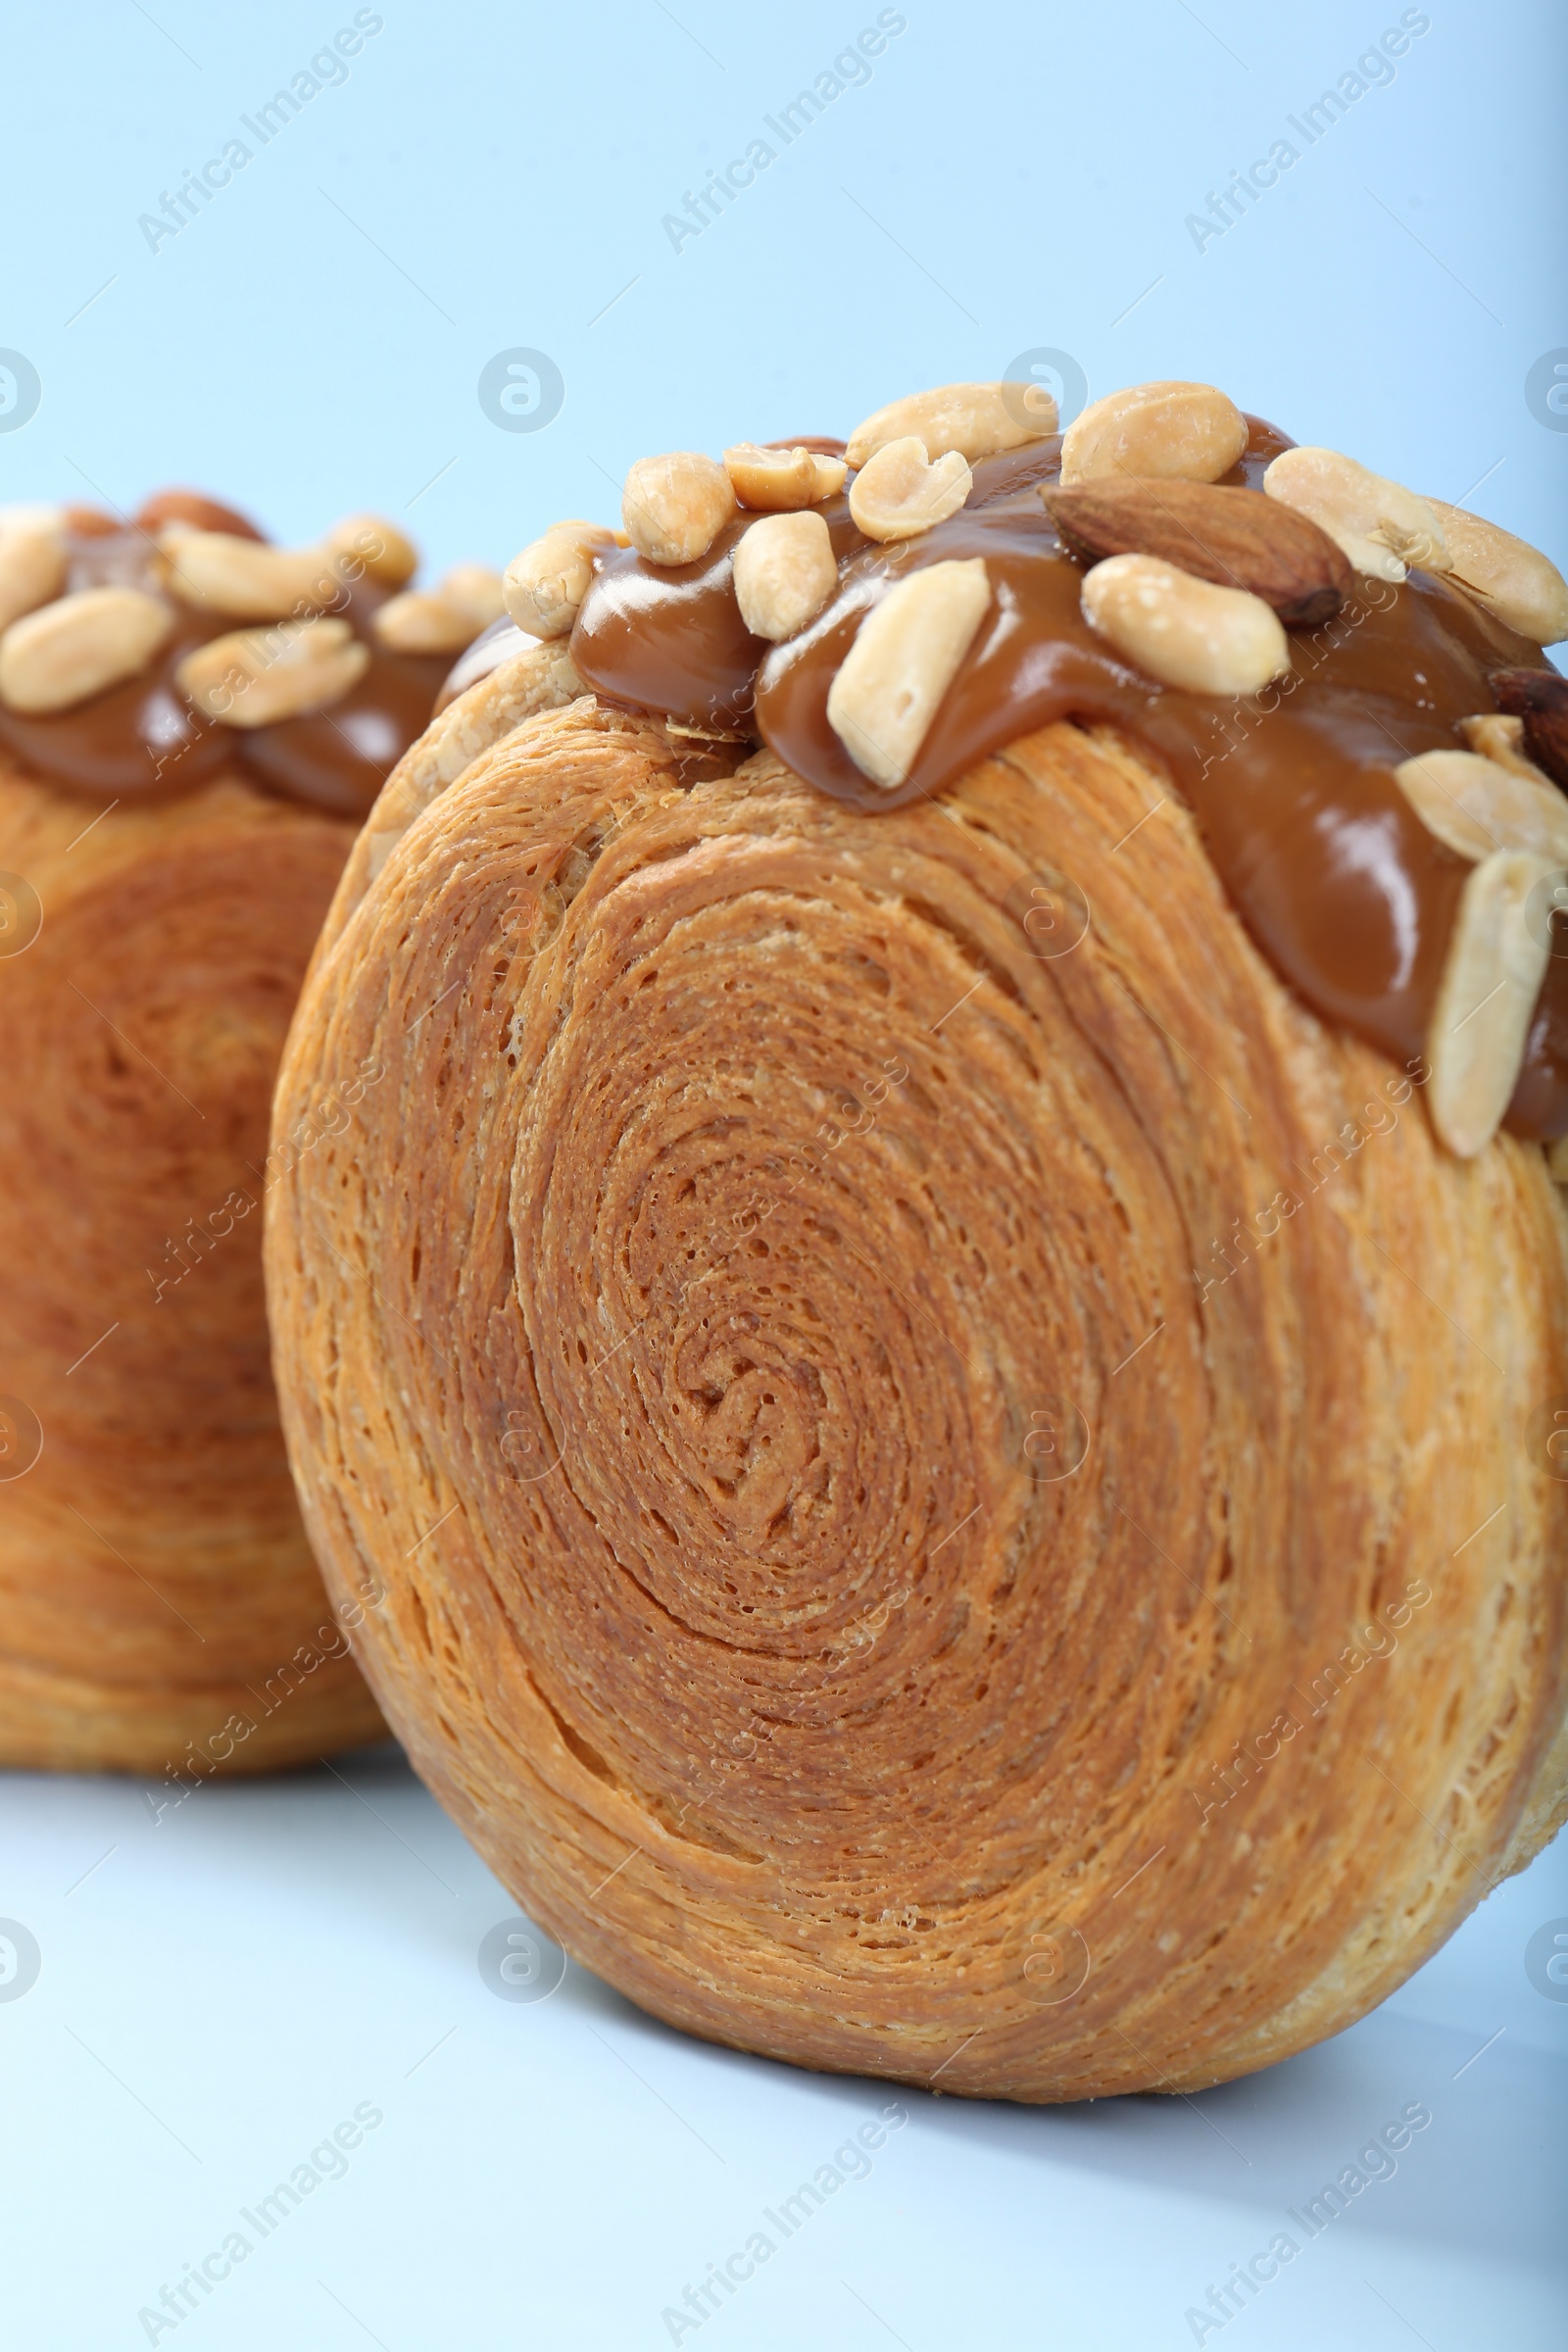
909,650
255,677
32,567
975,420
1509,576
1496,963
780,481
1167,431
544,586
900,492
1185,631
73,649
784,573
675,507
1381,526
1474,805
379,546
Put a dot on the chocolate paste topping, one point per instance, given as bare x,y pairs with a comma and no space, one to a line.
141,741
1344,890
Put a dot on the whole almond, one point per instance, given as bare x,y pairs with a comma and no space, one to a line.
1539,696
32,569
256,677
1235,538
1172,432
1184,631
73,649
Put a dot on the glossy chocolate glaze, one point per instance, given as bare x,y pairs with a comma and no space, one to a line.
1349,895
142,742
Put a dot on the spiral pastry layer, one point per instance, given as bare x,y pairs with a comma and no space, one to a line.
958,1481
160,1611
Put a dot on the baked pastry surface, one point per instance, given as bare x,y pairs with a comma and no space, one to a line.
956,1474
189,727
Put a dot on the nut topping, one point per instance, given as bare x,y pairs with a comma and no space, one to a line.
255,677
1383,527
780,481
220,573
74,648
1509,576
1172,431
907,653
784,575
1474,806
975,420
1497,737
900,492
432,621
474,589
1496,963
1540,699
544,586
675,507
32,569
378,545
1185,631
1233,538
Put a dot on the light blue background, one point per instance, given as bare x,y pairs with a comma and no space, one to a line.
224,1985
1009,178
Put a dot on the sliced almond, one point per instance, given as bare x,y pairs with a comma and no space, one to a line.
1383,527
1538,699
1474,806
1235,538
218,571
544,586
1498,737
1481,1020
475,589
1185,631
907,653
73,649
1510,578
781,481
675,507
385,552
900,492
256,677
972,420
1172,431
422,621
785,571
32,569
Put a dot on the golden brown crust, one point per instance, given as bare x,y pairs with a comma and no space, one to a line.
955,1488
156,1593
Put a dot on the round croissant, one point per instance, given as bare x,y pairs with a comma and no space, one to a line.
955,1472
161,1609
190,718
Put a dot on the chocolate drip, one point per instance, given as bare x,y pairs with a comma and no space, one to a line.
1349,895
